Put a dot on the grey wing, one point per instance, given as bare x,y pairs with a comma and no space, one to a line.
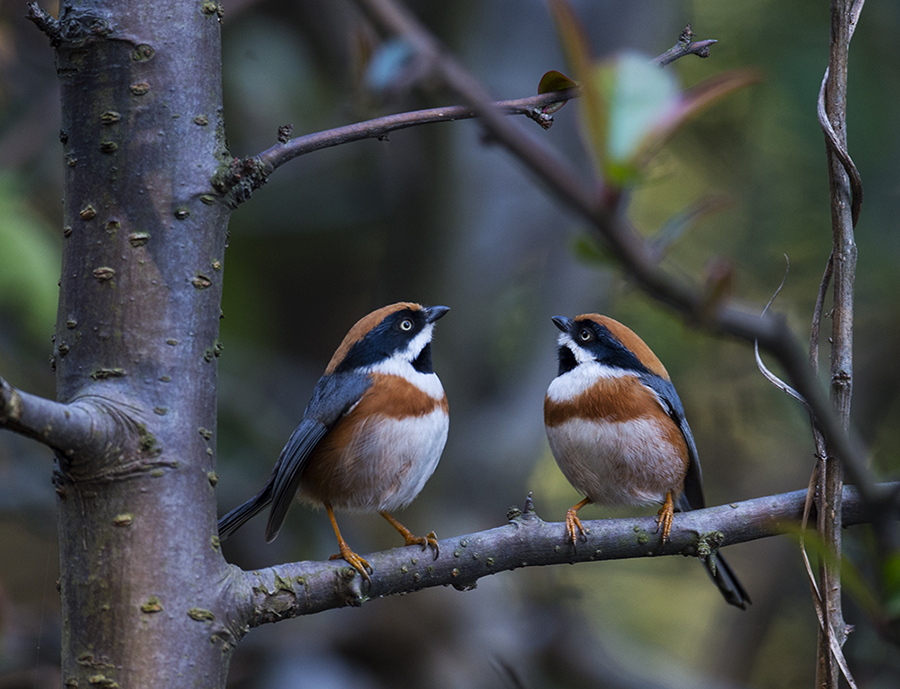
692,497
332,398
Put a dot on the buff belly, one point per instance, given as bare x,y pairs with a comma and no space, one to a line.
384,466
617,463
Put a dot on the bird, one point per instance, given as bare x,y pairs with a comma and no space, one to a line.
372,433
618,431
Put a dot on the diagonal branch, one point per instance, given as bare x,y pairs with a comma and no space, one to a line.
600,207
303,588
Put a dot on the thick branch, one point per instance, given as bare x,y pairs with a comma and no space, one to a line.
97,438
62,427
303,588
600,207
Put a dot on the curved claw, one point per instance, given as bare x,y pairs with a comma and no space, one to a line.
358,562
429,541
575,527
665,517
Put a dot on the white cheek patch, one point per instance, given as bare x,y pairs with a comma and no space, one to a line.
573,383
417,344
400,364
582,356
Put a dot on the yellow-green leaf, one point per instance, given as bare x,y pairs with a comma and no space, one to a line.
554,81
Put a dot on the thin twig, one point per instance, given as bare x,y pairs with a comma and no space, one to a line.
46,22
380,127
818,604
237,182
686,46
817,313
771,377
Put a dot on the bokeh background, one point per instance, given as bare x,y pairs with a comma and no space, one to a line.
439,215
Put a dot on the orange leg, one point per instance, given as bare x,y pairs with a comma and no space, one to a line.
665,516
573,523
425,541
356,561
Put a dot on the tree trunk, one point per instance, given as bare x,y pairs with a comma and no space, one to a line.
136,343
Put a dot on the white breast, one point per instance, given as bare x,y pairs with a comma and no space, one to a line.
572,383
616,463
390,462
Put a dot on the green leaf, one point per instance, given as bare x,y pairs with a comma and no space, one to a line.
629,106
554,81
639,95
678,224
646,108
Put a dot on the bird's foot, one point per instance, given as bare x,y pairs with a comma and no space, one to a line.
575,527
665,517
358,562
429,541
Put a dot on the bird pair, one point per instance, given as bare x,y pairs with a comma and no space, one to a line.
374,430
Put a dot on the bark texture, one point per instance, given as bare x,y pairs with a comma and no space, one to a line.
136,342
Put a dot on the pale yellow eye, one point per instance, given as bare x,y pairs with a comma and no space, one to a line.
406,324
585,335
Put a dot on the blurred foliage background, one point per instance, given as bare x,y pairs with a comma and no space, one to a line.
438,215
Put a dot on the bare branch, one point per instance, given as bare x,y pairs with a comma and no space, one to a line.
247,175
104,431
303,588
59,426
685,46
46,22
600,207
767,374
846,200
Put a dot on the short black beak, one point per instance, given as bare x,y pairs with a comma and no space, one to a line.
563,323
432,313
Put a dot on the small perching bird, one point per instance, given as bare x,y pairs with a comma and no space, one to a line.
617,429
371,435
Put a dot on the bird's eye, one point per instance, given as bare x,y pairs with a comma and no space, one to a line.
585,335
406,324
